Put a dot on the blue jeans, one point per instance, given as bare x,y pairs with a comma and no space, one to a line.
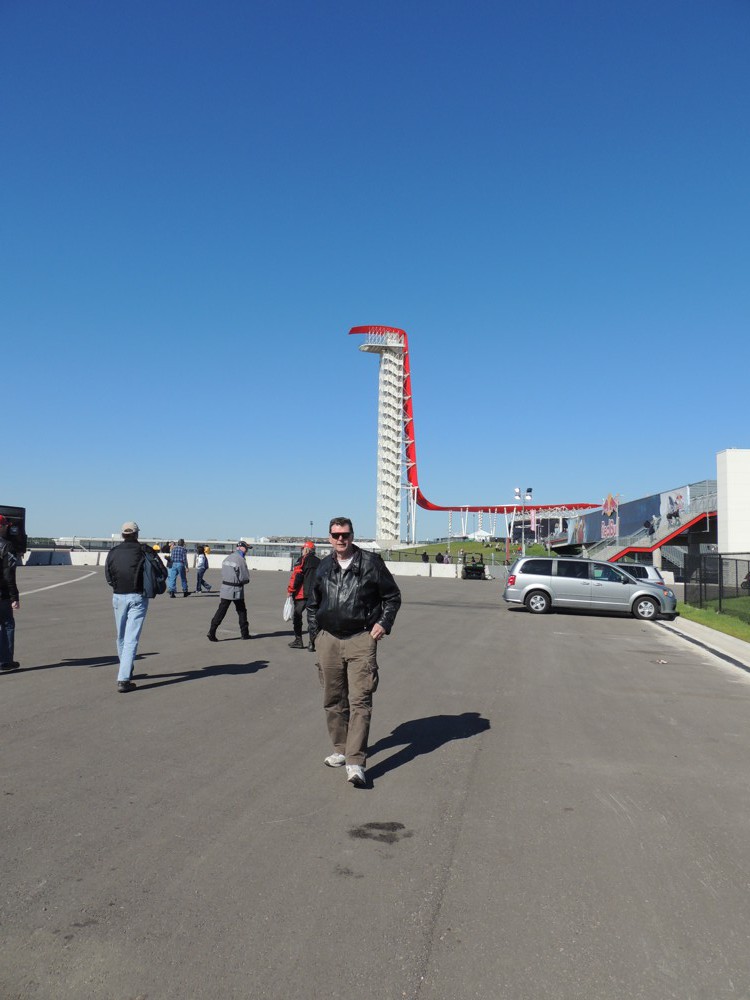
199,584
172,578
7,632
130,614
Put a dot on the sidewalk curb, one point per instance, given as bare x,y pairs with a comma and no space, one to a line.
704,645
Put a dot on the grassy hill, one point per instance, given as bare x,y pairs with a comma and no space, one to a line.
494,552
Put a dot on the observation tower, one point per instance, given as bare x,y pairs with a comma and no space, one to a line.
390,345
397,450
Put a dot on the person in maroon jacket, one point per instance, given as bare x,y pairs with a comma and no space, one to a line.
300,584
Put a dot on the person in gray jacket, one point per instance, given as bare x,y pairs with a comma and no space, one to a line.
234,576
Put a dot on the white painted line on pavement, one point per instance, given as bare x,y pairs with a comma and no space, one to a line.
25,593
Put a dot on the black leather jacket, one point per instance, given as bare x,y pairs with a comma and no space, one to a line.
353,601
123,569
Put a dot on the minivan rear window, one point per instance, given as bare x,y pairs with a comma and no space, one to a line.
539,567
635,571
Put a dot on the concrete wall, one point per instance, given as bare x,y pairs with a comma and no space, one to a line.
409,568
733,500
278,564
84,558
50,557
449,572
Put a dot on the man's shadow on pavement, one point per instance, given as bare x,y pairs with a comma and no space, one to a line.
214,670
423,736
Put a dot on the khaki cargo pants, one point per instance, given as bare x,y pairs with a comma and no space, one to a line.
348,670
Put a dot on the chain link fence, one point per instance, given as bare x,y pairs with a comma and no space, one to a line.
719,582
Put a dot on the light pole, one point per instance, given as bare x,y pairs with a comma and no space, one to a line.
526,499
311,534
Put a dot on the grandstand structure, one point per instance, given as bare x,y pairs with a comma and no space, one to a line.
397,450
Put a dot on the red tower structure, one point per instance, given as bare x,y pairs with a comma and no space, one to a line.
397,449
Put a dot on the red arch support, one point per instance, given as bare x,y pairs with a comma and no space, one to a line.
411,447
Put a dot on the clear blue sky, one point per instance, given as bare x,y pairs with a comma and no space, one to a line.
198,200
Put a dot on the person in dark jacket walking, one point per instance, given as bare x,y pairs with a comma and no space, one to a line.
300,584
234,576
353,603
9,600
123,571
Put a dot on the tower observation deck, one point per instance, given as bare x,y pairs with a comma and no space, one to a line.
397,450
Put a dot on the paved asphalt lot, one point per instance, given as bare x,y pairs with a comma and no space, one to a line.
558,809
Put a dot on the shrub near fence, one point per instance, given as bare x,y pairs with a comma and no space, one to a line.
719,583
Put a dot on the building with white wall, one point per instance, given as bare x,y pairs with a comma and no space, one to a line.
733,500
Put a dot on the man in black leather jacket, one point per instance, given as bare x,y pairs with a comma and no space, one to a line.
352,605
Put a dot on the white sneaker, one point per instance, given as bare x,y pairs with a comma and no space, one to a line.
335,760
356,775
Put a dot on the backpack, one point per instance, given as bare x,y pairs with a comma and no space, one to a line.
154,573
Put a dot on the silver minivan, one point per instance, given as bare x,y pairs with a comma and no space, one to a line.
542,583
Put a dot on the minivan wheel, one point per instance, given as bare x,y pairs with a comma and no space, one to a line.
538,603
645,609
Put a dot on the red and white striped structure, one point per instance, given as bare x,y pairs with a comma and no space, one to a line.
397,450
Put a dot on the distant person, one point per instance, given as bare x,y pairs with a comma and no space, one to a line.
425,557
125,572
201,565
354,603
177,564
439,557
9,599
447,558
672,511
300,585
234,576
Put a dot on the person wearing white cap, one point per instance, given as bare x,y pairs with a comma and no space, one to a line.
123,571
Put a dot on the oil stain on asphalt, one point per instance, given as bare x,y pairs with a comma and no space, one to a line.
383,833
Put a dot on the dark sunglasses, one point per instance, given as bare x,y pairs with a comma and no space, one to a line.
338,535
